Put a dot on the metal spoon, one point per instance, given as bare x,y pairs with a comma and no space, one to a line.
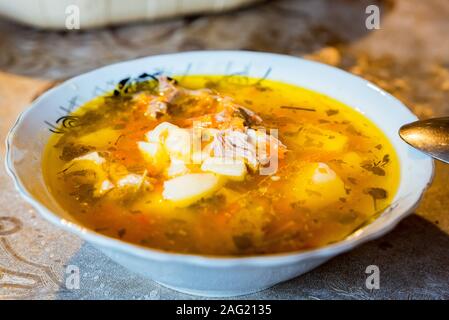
430,136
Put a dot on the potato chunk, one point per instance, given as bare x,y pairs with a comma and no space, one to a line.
234,169
317,186
352,161
154,153
93,157
177,167
159,133
91,162
178,144
176,141
187,189
100,139
103,187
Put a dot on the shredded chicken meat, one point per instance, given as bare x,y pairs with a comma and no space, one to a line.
231,127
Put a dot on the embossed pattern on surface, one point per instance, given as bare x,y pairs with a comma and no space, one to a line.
409,57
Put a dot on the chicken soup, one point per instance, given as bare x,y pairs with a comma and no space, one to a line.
220,165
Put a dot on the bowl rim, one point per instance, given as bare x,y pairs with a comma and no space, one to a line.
129,248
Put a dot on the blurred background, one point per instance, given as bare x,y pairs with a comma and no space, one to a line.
408,56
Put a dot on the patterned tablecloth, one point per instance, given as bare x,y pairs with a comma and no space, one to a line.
408,56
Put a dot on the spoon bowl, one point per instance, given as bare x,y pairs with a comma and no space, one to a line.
430,136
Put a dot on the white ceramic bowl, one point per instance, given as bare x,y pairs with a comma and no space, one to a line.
202,275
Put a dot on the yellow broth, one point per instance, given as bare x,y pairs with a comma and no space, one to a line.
260,215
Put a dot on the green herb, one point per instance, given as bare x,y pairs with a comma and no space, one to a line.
299,205
91,117
248,119
84,193
374,169
211,84
243,241
215,203
119,126
121,233
101,229
377,166
352,130
119,137
66,169
310,143
298,108
348,217
376,194
262,88
331,112
293,133
129,197
80,173
71,151
313,193
338,161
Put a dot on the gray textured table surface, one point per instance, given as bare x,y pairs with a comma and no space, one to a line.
408,56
